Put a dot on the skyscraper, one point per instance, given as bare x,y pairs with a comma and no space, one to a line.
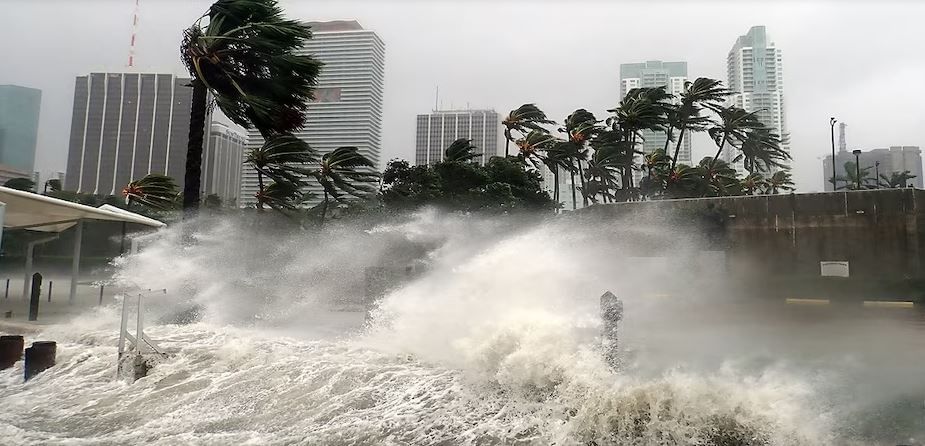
222,164
437,130
347,110
19,126
653,74
755,75
125,126
896,159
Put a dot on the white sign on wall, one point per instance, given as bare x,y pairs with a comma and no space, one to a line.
836,268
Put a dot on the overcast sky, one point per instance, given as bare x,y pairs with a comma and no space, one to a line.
862,62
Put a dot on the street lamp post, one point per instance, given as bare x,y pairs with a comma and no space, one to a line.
877,174
857,167
832,122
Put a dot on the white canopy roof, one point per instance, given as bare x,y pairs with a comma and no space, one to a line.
26,210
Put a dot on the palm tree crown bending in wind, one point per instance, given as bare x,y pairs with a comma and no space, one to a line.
244,53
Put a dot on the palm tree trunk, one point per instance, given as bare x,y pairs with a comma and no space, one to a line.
574,198
555,187
507,147
677,149
324,207
197,125
260,191
718,152
584,190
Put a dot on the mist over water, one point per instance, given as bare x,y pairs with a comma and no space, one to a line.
494,339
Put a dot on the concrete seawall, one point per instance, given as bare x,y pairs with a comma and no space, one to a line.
879,232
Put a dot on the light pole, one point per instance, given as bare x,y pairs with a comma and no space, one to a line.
832,122
857,167
877,174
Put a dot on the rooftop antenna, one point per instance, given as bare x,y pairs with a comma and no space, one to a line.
437,99
131,48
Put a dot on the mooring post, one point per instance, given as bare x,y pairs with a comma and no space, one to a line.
36,295
39,357
50,284
101,293
611,314
6,294
10,350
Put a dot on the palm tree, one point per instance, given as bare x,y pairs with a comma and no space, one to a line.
281,196
761,151
281,158
555,158
344,171
851,178
603,168
684,181
461,151
702,93
581,126
754,183
779,181
656,165
530,146
245,54
523,119
155,191
734,125
641,109
719,178
896,179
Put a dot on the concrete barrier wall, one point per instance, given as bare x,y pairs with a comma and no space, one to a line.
880,232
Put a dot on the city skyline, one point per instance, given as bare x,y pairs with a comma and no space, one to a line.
822,79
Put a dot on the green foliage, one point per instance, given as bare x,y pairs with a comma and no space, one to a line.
501,185
248,56
523,119
53,185
155,191
896,179
460,150
24,184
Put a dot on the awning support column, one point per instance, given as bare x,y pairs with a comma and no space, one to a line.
75,262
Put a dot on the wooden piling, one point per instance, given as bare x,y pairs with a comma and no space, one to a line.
39,357
10,350
36,296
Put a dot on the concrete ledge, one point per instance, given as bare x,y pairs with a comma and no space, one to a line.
888,304
792,301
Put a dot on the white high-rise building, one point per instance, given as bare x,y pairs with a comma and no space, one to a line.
437,130
347,110
755,75
653,74
222,163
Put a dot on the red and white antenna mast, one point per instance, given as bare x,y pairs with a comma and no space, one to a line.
131,48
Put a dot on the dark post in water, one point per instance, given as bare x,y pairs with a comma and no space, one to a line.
10,350
611,314
39,357
36,295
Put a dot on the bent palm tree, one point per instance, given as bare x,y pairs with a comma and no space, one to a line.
155,191
779,181
753,184
580,126
761,151
461,151
523,119
344,171
734,125
555,158
702,93
530,146
281,158
641,109
896,179
244,53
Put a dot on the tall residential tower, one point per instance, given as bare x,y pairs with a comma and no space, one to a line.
347,110
437,130
653,74
755,76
